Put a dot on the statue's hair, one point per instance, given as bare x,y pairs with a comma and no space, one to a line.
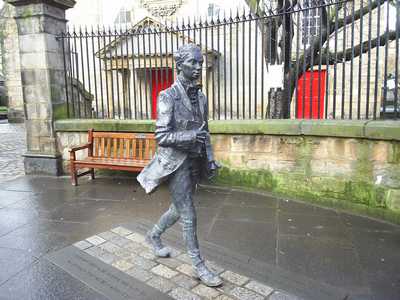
183,51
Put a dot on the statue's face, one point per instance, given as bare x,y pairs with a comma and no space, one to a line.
192,65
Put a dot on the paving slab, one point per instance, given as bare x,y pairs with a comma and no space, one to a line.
12,147
101,276
45,280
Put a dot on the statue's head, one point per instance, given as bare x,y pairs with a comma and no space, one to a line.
189,61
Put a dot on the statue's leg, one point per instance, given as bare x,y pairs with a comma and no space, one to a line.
181,189
169,218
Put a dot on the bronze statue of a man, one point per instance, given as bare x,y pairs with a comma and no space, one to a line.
183,157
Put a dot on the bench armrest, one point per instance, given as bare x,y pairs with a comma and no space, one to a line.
80,147
72,151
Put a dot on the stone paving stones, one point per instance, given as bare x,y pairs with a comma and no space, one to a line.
170,262
138,238
161,284
226,288
164,271
186,269
82,245
132,246
95,240
128,251
205,291
110,247
141,262
104,256
182,294
223,297
139,274
259,288
119,241
277,295
140,249
121,231
185,281
108,235
122,265
185,258
234,277
214,267
245,294
123,253
147,254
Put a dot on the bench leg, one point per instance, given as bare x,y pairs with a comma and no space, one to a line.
74,175
92,174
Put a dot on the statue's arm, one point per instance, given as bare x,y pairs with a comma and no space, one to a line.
165,133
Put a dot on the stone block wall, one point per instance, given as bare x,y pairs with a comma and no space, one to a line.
359,171
339,164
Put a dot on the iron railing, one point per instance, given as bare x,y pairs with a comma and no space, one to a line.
305,59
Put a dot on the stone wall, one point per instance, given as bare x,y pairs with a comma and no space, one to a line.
333,164
359,171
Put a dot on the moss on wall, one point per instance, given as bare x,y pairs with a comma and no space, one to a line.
356,196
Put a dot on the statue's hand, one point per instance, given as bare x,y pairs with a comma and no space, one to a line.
201,134
213,167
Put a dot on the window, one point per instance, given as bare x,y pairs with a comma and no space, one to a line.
124,16
213,10
311,20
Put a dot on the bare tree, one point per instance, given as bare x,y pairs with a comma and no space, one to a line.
278,31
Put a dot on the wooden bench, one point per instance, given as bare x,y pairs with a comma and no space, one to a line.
113,150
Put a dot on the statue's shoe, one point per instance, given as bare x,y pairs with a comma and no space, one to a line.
159,249
207,277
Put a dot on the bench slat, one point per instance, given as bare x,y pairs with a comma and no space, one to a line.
108,147
112,161
121,148
114,142
146,149
96,147
102,149
128,149
140,154
125,135
133,156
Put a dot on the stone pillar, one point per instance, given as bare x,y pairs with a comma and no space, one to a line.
42,73
11,66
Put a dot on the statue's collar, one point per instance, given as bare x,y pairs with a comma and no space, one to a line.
187,84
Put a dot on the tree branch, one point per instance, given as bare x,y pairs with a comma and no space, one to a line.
358,14
331,58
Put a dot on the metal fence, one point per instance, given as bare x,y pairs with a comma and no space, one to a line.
302,59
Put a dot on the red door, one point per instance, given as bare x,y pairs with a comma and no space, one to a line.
160,79
306,81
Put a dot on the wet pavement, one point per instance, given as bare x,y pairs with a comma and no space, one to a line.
300,249
12,146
